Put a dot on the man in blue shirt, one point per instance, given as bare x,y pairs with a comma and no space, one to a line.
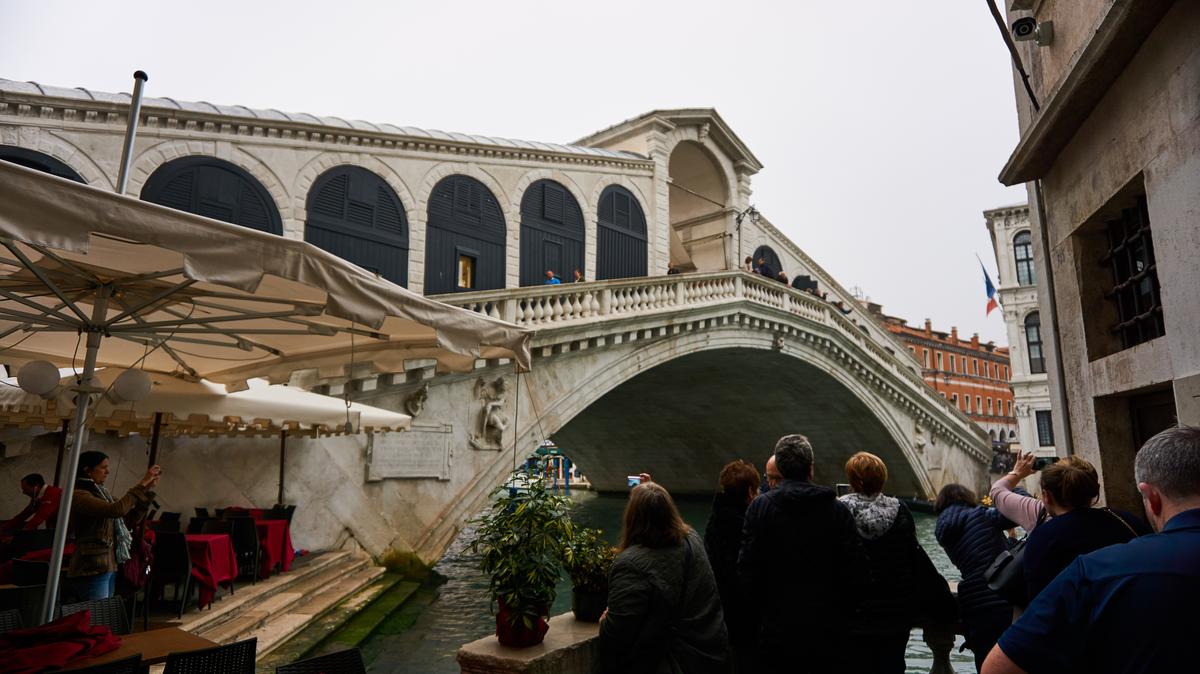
551,279
1129,607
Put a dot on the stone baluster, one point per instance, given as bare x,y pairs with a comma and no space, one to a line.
605,301
508,310
739,286
940,640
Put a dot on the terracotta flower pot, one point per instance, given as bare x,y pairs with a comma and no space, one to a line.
516,634
588,605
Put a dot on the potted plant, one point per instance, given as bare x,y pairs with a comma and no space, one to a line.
520,539
588,559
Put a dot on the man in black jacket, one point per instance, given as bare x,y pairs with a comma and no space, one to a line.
801,554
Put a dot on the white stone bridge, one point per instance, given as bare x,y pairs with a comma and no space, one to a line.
677,375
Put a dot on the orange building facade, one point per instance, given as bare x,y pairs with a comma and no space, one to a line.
974,376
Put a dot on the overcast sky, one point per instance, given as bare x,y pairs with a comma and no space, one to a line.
882,124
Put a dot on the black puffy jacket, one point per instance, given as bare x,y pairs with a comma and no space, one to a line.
890,602
802,561
973,536
722,542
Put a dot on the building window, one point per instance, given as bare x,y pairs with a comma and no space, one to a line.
954,399
1023,252
979,404
1135,290
1033,343
925,356
953,364
1045,429
974,366
466,271
939,361
967,404
989,403
1009,406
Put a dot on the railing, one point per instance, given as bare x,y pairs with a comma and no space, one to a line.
562,305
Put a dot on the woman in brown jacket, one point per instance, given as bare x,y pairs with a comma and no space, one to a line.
102,540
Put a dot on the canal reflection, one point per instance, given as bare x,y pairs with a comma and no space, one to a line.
458,613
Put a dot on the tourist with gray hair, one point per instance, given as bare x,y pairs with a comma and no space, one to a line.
1129,607
801,554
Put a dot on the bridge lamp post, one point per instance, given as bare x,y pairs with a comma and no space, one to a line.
754,216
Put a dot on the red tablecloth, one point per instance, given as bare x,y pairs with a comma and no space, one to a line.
55,644
214,563
275,541
35,556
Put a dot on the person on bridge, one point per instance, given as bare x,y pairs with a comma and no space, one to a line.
578,277
722,541
551,279
902,576
42,507
1131,607
973,536
664,612
802,559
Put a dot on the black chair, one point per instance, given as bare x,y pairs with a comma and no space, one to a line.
129,665
28,572
28,540
235,658
214,527
108,612
172,564
165,517
196,524
202,513
342,662
10,619
244,534
25,600
220,513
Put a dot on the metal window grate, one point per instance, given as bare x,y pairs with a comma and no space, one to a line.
1135,291
1045,429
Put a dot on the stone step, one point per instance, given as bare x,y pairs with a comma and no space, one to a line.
251,616
363,623
281,626
314,638
248,596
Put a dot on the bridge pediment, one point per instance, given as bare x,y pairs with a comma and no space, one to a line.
636,135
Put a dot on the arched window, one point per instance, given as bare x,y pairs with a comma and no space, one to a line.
215,189
1033,343
551,233
39,162
465,237
355,215
770,260
1023,253
620,235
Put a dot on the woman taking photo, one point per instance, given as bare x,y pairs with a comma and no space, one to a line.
664,613
1069,488
102,540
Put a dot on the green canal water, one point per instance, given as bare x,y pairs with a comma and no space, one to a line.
456,611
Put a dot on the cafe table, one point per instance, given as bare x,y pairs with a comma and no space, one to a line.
153,645
275,543
214,563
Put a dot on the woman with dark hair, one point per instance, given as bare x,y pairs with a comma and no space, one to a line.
664,614
102,540
973,536
1069,488
902,577
722,541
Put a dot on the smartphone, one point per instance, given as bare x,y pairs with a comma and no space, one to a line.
633,480
842,489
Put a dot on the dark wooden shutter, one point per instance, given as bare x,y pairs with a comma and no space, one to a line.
551,233
39,162
620,235
463,216
357,216
215,189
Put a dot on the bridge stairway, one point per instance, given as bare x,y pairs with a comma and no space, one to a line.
275,609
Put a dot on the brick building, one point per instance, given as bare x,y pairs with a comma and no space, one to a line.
974,376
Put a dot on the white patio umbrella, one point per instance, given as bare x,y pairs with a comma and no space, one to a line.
98,278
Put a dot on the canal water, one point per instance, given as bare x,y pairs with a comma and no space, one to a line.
457,609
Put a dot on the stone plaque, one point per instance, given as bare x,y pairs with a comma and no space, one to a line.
423,452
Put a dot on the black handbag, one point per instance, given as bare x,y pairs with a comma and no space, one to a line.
1006,575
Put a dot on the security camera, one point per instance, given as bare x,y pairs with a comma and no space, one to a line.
1024,28
1027,28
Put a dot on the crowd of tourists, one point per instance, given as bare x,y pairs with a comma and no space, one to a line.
791,577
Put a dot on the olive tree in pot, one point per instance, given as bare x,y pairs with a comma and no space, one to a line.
520,539
588,559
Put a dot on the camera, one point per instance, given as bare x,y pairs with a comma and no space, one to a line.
842,489
633,480
1028,28
1024,28
1042,462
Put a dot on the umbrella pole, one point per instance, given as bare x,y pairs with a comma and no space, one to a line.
62,447
155,431
282,458
84,398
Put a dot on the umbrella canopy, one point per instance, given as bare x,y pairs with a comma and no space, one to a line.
197,408
233,303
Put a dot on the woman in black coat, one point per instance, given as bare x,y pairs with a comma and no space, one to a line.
739,483
664,615
973,536
902,576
